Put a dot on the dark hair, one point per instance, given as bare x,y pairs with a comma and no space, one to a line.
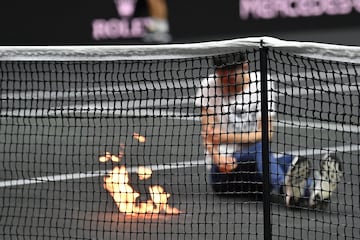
229,60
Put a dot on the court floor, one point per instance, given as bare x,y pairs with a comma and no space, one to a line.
51,179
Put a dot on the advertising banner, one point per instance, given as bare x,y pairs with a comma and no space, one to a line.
123,21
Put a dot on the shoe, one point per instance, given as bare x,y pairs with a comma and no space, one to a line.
296,181
157,31
325,181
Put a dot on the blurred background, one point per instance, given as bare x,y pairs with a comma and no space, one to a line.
79,22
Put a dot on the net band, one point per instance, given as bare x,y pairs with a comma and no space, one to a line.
177,51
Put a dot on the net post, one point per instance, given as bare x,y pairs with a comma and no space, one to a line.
265,142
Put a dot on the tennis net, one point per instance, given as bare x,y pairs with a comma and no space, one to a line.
107,142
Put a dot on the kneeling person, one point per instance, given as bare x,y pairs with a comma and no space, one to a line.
231,130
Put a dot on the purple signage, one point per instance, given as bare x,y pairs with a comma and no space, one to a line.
126,26
269,9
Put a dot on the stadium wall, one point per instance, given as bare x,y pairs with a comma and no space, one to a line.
110,22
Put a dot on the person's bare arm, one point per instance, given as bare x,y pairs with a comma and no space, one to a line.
207,117
217,136
250,137
209,131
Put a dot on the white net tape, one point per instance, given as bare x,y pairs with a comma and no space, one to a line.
175,51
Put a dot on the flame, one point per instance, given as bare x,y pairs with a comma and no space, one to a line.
144,173
118,185
140,138
108,156
160,197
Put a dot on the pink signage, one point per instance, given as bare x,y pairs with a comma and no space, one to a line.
126,26
268,9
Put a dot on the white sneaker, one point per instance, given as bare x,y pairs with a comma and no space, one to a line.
325,181
296,180
157,31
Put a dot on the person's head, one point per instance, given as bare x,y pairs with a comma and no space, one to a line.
231,69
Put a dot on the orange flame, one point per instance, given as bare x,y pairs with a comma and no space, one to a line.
117,184
108,156
125,197
140,138
144,173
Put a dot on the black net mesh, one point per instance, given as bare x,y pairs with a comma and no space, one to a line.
318,116
120,149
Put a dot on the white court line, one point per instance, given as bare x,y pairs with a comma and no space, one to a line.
163,84
99,91
122,106
318,89
75,176
319,125
95,92
179,165
165,113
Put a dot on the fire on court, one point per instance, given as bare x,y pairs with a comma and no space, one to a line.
128,200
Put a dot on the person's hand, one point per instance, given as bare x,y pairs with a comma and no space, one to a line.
225,163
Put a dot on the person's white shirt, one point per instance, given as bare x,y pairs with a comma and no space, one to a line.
235,113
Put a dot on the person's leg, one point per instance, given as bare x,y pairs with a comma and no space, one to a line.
288,174
284,162
157,30
277,169
158,9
